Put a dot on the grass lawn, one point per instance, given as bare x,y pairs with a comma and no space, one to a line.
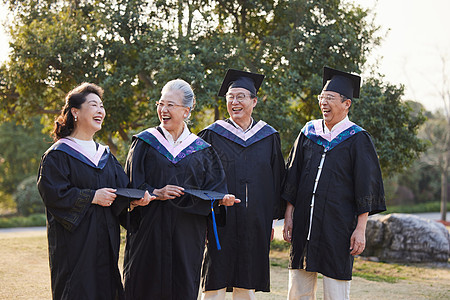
24,274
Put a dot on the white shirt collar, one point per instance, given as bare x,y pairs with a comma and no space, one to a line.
180,139
326,130
240,128
89,146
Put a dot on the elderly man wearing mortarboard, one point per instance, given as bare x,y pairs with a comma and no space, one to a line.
333,183
254,166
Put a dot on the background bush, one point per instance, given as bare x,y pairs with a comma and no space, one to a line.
30,221
27,198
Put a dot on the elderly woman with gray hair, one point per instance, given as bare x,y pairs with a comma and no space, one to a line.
166,239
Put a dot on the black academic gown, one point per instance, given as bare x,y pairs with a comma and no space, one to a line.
83,238
349,184
166,241
254,167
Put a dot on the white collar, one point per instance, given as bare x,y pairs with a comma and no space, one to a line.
240,128
89,146
180,139
326,130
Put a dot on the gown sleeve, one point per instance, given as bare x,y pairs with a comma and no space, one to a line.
278,175
135,166
122,181
64,201
220,212
209,167
135,170
216,181
121,176
293,171
368,183
205,135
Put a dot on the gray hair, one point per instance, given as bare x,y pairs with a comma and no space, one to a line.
185,88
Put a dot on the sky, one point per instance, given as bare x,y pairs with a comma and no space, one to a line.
411,53
417,39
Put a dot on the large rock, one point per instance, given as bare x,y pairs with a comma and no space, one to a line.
406,238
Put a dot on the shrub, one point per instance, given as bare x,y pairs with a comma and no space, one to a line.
434,206
27,198
279,245
30,221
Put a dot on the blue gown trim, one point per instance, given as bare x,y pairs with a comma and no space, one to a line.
197,145
264,132
77,155
309,131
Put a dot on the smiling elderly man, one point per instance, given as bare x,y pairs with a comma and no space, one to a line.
333,183
254,166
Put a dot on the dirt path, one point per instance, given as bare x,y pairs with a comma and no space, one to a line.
24,274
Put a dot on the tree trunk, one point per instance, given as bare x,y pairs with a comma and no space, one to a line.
180,19
216,113
445,169
112,146
444,189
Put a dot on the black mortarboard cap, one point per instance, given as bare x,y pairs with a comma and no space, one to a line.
205,194
341,82
211,196
241,79
124,196
134,194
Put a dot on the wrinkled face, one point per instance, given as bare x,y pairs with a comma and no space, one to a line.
333,109
171,112
240,105
90,115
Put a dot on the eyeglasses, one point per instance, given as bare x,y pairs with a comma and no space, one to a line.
239,97
169,106
328,98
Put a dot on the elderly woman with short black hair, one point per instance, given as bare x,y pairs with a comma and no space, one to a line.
166,240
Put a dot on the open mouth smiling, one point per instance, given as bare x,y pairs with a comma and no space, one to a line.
98,119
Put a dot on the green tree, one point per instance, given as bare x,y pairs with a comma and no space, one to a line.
437,131
393,124
424,177
423,180
21,148
444,93
131,48
27,197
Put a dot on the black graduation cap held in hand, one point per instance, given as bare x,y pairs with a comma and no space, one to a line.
134,194
124,196
341,82
241,79
205,194
211,196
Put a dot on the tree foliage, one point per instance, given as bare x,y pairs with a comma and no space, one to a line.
437,131
132,48
394,125
27,197
21,148
421,182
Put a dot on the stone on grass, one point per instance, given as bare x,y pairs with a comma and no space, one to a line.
406,238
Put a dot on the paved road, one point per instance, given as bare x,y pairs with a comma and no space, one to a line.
278,225
435,216
21,229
